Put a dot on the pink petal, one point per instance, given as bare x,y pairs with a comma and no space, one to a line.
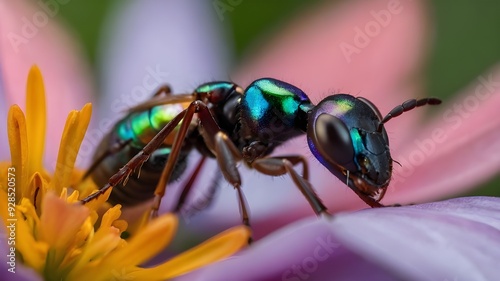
308,54
455,152
451,240
31,35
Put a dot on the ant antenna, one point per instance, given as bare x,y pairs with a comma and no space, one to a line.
406,106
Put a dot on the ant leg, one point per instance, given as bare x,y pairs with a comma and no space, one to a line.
216,140
164,89
187,187
210,128
296,159
227,157
174,154
207,199
277,166
141,157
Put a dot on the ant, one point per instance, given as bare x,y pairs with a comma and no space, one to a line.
345,133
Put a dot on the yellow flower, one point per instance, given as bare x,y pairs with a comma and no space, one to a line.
56,235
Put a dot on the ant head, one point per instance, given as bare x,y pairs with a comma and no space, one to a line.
342,134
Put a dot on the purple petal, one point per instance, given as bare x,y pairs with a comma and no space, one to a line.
456,239
306,250
150,43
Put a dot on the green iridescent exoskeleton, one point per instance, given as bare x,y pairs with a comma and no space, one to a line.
137,129
273,111
141,127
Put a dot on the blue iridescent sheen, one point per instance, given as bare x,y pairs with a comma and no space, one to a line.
270,110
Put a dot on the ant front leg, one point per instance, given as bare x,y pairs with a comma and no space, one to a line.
277,166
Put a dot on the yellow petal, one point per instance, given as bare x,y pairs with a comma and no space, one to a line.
38,187
33,252
86,232
86,113
73,197
29,212
4,166
216,248
110,216
121,225
147,243
5,213
97,203
96,249
36,118
74,130
16,130
141,247
63,166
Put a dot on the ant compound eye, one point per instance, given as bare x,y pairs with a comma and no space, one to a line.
333,139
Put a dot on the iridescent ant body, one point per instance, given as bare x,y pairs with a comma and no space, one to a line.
345,133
